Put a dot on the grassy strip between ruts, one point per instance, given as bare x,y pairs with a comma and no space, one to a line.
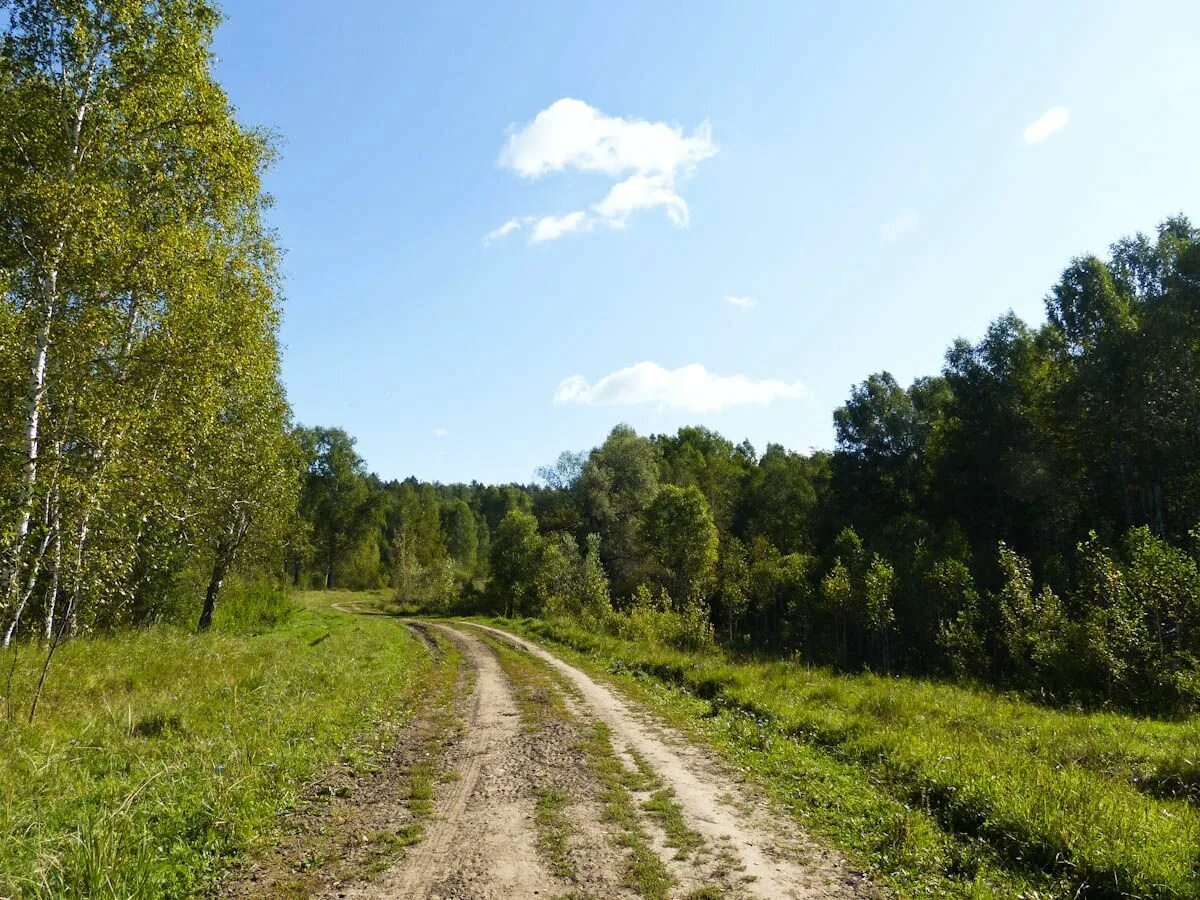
160,755
939,790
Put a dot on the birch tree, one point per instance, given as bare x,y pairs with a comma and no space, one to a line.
139,293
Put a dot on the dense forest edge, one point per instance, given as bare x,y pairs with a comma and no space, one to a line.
1023,519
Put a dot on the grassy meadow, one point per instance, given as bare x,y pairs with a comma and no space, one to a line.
939,790
158,755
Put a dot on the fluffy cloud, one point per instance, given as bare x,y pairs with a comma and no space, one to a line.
1054,119
691,388
904,224
570,134
641,192
741,302
647,157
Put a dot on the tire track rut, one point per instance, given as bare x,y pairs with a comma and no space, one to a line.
481,842
774,858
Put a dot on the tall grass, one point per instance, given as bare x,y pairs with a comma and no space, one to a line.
158,755
1103,804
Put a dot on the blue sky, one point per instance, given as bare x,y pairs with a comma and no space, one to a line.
862,174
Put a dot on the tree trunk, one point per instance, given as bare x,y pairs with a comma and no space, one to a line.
35,567
220,570
35,397
226,551
52,593
329,557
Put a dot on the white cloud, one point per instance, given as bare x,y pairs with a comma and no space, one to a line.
551,228
441,432
900,226
741,302
648,157
641,192
692,388
571,134
503,231
1054,119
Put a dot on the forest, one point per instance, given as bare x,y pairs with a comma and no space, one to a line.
1024,518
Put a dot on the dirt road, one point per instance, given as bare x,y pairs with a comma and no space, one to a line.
560,787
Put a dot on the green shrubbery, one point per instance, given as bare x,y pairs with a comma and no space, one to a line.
255,606
652,618
1128,631
552,578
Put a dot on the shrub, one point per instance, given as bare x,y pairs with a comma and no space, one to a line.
1036,628
653,619
961,629
254,607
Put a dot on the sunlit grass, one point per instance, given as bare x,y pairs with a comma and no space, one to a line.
158,755
940,788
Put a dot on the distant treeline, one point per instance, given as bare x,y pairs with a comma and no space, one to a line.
1023,518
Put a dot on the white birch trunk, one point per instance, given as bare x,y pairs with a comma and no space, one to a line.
52,594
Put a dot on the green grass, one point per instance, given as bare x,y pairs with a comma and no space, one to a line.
554,831
158,755
940,790
644,871
663,807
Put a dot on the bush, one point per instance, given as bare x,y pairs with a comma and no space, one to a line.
653,619
1037,635
254,607
432,588
951,590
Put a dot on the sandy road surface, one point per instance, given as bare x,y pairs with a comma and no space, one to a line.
483,841
772,853
480,843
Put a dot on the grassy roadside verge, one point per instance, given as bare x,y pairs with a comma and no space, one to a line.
159,755
356,820
938,790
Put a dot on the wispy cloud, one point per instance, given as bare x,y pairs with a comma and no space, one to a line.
741,302
551,228
649,158
899,226
441,432
503,231
571,134
1052,121
691,388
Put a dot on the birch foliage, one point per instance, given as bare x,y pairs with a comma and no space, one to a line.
144,427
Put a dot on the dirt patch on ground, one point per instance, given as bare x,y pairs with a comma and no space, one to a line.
770,856
481,841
